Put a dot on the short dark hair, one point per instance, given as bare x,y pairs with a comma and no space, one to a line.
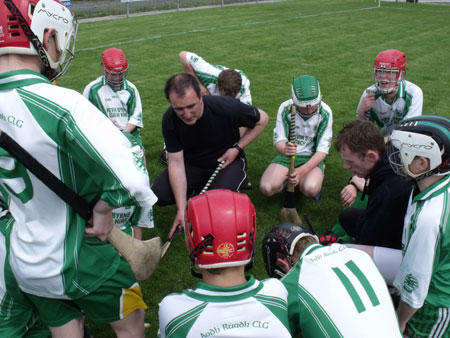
230,82
180,83
359,137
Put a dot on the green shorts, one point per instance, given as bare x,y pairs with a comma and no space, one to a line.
299,161
429,321
115,299
18,316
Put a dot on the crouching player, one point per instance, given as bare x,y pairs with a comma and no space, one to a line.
220,235
420,152
334,291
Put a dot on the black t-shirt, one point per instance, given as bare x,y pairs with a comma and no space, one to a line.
216,131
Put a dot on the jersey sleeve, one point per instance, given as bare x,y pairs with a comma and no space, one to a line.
415,109
206,72
325,131
281,130
414,276
118,169
135,107
245,96
87,90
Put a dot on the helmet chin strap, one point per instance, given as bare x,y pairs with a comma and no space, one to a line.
208,240
48,71
307,115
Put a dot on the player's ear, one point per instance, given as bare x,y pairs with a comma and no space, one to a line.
372,156
49,43
421,164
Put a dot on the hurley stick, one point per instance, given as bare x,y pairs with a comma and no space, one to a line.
288,213
143,256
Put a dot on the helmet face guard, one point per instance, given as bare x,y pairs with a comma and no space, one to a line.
280,243
115,66
306,93
425,136
389,70
220,229
26,21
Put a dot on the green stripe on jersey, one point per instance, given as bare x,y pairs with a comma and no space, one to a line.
73,141
275,305
206,78
180,326
364,282
312,310
350,289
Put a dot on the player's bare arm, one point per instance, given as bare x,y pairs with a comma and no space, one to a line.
404,313
178,183
298,175
366,103
102,222
129,128
188,69
287,149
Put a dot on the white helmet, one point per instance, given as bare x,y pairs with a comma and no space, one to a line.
23,24
425,136
306,91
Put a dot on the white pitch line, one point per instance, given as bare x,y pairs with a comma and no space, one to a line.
162,36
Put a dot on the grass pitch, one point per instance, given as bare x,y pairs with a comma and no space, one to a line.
336,41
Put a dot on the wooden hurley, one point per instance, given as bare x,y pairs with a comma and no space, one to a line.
288,213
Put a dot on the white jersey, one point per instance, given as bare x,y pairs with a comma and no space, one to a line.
82,148
408,103
254,309
336,291
312,134
121,106
209,74
424,274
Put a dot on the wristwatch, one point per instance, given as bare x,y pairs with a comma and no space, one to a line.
236,145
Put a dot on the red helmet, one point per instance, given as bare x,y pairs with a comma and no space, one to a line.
387,62
22,21
114,62
220,229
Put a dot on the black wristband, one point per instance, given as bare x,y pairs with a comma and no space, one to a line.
353,183
236,145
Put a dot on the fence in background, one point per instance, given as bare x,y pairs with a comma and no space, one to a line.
85,9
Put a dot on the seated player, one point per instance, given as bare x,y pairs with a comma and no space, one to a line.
220,233
311,142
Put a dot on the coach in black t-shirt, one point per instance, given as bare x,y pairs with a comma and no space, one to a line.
200,132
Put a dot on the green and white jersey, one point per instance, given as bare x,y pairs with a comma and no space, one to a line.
253,309
424,274
124,219
312,134
209,74
336,291
121,106
408,103
48,253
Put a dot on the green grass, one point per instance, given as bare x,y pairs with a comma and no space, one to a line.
272,42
